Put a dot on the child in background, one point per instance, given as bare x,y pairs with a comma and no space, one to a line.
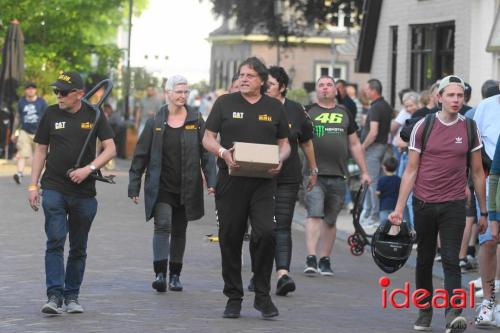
388,188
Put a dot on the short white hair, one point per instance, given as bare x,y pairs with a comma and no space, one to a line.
175,80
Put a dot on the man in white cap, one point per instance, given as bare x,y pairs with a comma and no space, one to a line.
438,178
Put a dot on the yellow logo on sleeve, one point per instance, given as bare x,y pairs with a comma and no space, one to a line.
158,129
265,117
87,125
190,127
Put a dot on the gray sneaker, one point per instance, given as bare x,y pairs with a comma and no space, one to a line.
53,306
423,322
455,323
72,305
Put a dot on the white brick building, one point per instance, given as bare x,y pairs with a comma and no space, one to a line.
418,41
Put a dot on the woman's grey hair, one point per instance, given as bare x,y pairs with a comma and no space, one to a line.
175,80
411,96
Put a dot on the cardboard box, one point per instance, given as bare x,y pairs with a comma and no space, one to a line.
254,159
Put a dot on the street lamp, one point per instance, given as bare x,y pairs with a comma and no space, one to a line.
127,82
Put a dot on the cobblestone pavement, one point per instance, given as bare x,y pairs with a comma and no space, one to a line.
117,293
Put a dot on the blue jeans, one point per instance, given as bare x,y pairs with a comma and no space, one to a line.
408,211
373,156
384,214
63,214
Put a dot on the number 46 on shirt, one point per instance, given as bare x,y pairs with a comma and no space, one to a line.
329,118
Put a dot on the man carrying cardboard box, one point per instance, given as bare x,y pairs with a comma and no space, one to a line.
252,117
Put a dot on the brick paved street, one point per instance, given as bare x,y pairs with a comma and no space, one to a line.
117,293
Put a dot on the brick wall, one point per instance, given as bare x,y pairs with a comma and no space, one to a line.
473,22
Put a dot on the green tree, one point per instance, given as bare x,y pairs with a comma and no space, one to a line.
68,34
303,14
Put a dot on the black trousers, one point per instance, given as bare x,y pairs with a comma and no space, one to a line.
286,196
447,219
238,199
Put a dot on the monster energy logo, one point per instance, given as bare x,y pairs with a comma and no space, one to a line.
319,130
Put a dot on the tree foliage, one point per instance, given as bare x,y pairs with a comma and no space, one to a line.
303,14
67,34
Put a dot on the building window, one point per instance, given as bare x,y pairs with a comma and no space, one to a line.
432,53
394,58
338,71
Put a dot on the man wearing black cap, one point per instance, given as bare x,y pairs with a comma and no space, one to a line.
30,109
69,202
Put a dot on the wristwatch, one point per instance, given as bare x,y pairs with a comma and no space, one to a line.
484,214
314,171
92,167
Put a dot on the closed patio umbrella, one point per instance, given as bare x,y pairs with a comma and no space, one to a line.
11,73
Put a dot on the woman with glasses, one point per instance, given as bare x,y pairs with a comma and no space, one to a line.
169,150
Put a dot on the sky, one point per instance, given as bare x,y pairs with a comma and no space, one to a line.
176,29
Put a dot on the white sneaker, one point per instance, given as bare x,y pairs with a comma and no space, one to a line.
480,293
478,284
485,314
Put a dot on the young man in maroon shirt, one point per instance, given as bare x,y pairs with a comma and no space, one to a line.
438,178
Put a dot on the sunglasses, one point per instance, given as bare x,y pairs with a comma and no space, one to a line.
63,93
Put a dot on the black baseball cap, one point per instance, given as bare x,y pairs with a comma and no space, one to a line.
30,85
68,81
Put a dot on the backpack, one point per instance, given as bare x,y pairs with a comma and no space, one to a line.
429,123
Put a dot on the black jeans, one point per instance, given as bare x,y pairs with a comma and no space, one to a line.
285,198
236,200
447,219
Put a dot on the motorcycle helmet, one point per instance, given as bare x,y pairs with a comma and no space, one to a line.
391,251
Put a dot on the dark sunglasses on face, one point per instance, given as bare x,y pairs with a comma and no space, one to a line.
63,93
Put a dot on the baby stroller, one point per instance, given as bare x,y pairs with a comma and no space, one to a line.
360,238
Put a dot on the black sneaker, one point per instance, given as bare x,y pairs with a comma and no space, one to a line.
53,306
233,308
311,265
266,307
17,178
174,283
285,285
160,284
423,322
251,286
324,266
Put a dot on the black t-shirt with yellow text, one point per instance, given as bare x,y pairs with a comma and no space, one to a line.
65,133
237,120
300,131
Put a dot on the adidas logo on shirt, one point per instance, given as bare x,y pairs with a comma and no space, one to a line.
458,140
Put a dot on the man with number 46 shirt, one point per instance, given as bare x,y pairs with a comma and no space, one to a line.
335,131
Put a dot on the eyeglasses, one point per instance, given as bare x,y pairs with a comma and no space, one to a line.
181,92
63,93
